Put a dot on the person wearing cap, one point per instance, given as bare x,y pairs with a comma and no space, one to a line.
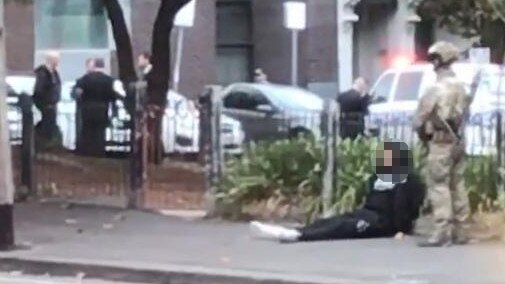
46,95
96,92
439,122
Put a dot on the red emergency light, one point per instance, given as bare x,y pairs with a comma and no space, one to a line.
401,61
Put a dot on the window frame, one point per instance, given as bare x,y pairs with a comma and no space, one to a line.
46,19
248,45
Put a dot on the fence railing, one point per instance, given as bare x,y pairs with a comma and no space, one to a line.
482,133
214,131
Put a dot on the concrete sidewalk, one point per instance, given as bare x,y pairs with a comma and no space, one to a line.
131,244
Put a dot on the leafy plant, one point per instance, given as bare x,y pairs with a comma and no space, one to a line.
291,171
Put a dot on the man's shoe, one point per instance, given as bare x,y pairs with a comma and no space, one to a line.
434,243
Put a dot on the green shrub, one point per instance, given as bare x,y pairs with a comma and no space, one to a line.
292,170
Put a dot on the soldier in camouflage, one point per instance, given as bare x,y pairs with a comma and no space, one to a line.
439,122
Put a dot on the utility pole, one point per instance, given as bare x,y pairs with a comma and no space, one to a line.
6,181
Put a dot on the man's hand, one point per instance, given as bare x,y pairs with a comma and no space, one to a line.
399,236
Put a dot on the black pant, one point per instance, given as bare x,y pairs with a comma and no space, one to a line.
94,120
351,128
358,224
47,130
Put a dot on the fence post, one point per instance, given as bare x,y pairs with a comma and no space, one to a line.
28,145
211,143
137,143
329,119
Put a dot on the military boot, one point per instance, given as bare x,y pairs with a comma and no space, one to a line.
437,240
435,243
460,240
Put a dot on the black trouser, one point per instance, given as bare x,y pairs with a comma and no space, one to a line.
361,223
47,128
351,128
94,122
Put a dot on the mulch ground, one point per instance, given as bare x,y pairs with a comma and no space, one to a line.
172,185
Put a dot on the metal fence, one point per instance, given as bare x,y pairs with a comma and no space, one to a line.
206,129
483,134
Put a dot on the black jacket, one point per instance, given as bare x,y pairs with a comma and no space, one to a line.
351,102
96,95
47,90
353,108
400,206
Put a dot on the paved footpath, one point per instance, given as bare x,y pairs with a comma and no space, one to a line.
143,247
13,278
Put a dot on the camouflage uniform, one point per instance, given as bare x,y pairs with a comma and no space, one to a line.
446,157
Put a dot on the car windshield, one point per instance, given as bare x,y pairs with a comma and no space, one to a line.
291,98
383,87
409,84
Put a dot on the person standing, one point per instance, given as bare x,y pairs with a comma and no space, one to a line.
97,91
46,95
439,122
260,76
353,109
144,64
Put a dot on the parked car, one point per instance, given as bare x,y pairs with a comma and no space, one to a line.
181,124
270,111
397,92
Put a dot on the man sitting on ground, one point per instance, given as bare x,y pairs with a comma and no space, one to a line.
391,206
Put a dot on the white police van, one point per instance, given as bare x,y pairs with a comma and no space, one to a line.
398,90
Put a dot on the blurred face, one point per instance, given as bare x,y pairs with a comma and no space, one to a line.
361,86
142,61
90,65
52,61
388,158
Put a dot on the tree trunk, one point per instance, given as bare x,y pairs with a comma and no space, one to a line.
6,180
159,77
493,36
121,35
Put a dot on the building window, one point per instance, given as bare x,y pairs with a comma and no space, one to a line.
234,41
70,24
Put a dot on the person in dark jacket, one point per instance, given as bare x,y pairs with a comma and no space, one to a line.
96,92
390,208
144,64
46,95
353,109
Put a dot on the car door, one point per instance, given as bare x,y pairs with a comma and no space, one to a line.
242,105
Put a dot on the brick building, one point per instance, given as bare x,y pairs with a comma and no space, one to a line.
230,38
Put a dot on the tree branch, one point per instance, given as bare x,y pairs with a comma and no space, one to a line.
124,48
159,77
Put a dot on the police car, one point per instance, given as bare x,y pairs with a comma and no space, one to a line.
398,90
181,123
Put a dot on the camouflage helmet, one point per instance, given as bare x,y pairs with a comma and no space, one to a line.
446,52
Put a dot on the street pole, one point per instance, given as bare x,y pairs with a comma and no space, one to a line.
294,57
178,58
6,181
